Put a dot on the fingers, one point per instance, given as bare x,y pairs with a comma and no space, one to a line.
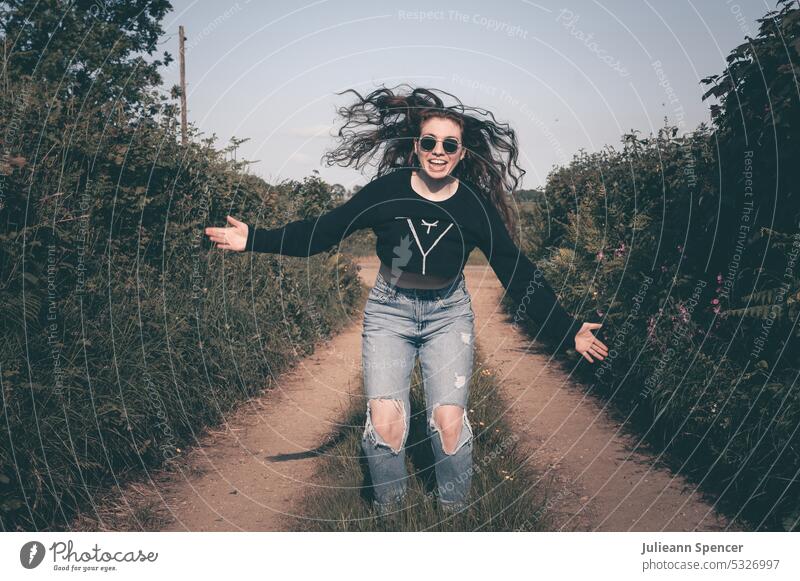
597,353
210,231
600,347
234,221
218,234
217,238
596,350
595,340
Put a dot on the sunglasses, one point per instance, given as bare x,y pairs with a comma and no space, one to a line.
449,144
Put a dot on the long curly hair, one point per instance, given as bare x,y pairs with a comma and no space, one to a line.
389,119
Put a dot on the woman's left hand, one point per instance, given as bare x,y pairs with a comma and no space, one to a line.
587,344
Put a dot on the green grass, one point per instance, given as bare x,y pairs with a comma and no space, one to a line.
507,494
139,381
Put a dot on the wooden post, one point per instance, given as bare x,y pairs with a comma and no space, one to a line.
183,86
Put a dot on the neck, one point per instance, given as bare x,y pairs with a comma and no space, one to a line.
434,185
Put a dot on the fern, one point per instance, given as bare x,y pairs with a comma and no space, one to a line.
778,303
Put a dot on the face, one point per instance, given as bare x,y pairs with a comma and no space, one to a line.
438,163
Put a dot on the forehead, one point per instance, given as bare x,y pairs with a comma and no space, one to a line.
441,127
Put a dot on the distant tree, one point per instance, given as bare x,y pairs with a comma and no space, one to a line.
95,48
529,195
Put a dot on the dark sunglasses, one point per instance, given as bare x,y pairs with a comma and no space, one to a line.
449,144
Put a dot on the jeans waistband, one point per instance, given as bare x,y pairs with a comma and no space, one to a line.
423,293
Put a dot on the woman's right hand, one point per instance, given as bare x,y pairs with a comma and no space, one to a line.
233,237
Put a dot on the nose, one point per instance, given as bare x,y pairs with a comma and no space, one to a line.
439,149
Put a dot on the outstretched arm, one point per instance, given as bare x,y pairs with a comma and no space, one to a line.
303,237
531,292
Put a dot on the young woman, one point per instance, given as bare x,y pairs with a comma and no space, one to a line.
440,192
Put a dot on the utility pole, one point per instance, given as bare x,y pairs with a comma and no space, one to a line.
183,85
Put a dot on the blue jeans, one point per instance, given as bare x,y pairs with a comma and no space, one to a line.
438,326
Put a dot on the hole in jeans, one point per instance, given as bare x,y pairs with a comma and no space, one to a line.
386,423
447,420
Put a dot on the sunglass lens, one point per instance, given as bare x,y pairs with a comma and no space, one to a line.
450,145
427,143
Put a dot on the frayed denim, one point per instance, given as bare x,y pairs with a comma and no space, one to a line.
438,326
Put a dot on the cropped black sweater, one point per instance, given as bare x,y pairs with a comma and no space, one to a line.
419,235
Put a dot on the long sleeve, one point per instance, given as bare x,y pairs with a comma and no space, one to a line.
315,235
524,281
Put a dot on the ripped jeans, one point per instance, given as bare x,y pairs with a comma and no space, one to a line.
438,326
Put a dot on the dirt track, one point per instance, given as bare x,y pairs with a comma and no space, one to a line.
256,469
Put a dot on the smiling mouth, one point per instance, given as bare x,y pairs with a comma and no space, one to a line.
437,162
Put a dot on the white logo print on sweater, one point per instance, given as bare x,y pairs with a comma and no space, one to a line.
429,225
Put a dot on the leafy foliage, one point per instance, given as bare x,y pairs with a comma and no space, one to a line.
121,335
686,248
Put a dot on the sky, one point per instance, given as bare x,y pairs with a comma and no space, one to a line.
565,75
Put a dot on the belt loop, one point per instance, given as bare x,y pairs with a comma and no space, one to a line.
391,290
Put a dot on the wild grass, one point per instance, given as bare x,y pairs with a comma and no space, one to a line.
507,492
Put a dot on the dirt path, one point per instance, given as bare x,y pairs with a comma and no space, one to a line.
605,483
602,482
251,475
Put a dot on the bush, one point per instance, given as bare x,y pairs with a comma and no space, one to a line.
121,336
